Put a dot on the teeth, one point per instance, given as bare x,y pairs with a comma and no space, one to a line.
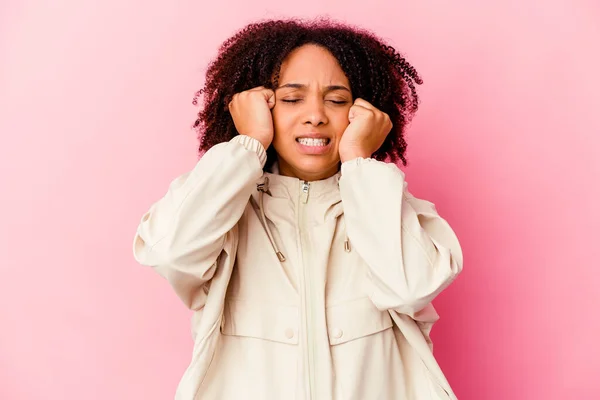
312,142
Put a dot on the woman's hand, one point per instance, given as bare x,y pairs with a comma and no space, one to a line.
366,133
251,113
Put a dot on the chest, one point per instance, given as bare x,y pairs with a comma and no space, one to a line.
317,256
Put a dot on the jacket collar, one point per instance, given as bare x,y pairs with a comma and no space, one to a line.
290,187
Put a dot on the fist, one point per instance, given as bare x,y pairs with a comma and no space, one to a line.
366,132
251,114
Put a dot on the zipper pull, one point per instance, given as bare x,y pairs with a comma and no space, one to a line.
305,189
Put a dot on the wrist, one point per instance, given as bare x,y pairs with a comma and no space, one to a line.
253,144
264,141
353,154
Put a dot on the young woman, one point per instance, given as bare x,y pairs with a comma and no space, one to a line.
310,267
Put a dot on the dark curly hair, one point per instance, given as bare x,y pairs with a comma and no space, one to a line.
252,57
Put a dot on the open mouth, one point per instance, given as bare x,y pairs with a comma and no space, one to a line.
312,142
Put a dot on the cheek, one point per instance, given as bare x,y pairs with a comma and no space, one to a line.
340,123
281,120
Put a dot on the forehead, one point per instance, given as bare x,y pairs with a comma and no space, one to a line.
311,63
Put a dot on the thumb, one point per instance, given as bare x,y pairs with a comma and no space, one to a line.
352,113
269,97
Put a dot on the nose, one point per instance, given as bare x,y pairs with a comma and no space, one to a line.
315,112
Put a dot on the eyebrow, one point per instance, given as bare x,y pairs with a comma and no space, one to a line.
301,86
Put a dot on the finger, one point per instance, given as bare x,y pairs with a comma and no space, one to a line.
357,110
232,101
269,96
387,119
353,112
364,103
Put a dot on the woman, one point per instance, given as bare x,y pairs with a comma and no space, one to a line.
310,267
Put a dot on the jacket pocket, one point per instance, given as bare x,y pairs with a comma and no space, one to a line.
257,342
355,319
260,321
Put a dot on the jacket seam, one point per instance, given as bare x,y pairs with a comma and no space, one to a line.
418,243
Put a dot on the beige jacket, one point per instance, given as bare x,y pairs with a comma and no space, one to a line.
302,290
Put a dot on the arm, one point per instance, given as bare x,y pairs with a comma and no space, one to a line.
412,253
183,233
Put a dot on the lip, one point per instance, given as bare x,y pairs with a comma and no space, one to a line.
313,135
313,150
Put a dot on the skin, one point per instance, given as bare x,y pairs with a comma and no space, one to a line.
313,97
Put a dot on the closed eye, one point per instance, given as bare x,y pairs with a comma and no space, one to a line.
298,100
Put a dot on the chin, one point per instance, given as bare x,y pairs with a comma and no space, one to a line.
316,167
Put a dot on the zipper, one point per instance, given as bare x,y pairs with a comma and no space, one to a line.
308,306
305,189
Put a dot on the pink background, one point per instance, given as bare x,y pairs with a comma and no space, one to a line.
95,106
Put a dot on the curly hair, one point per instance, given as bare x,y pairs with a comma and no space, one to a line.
253,56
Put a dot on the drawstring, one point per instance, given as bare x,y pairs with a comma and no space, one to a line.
262,188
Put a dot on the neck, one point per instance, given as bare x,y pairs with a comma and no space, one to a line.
309,176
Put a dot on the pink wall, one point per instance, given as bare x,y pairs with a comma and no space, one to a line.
95,110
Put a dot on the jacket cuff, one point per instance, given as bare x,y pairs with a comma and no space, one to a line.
360,163
253,145
352,164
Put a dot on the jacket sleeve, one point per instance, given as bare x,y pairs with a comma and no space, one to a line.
182,234
412,253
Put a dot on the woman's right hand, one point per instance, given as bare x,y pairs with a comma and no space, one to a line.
251,113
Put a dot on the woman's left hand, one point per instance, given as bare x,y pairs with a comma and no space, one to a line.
366,132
